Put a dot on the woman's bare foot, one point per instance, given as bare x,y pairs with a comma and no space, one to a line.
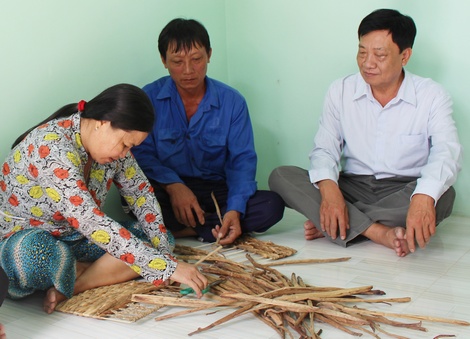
52,299
391,237
311,232
81,267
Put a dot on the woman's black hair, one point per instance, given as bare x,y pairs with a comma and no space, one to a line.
125,106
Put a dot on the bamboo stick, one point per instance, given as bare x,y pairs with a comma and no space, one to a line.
307,261
311,328
170,301
328,294
197,309
217,209
380,329
280,330
224,319
336,324
208,255
362,300
409,316
274,302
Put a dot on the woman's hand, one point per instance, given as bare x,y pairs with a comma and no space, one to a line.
189,275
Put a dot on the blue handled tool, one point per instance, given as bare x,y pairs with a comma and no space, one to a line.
189,290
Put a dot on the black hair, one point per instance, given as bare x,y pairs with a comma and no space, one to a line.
125,106
401,27
184,34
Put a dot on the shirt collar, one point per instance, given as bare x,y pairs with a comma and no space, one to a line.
77,137
211,97
406,92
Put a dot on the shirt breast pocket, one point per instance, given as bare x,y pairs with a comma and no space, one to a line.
170,143
214,149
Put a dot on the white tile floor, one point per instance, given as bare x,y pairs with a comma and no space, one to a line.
436,279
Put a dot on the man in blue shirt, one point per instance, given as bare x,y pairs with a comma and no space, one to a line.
386,152
202,147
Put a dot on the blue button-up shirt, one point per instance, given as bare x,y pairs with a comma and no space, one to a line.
216,144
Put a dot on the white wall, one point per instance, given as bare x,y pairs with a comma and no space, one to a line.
280,54
56,52
283,55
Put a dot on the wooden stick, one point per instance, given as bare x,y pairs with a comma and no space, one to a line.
307,261
171,301
344,292
380,329
334,323
311,328
285,304
358,300
401,315
350,319
197,309
217,209
281,331
208,255
224,319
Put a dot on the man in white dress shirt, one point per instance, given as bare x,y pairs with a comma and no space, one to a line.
386,153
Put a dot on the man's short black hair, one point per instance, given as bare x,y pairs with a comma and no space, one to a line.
401,27
183,34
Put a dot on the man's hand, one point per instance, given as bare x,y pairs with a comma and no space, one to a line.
420,221
230,229
184,204
333,210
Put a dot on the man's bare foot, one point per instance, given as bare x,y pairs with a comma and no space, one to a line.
52,299
399,243
311,232
184,233
391,237
2,332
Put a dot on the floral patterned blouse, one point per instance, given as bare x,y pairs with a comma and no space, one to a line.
42,184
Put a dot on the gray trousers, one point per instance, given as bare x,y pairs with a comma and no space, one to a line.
368,200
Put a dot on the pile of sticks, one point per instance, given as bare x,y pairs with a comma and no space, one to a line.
288,304
265,249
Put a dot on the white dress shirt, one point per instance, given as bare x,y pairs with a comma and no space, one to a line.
414,135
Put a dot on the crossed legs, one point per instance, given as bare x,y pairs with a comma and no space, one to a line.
107,270
377,208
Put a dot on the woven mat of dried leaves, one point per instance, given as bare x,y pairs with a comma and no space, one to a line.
114,302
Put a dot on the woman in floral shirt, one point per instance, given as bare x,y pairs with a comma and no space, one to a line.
53,233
